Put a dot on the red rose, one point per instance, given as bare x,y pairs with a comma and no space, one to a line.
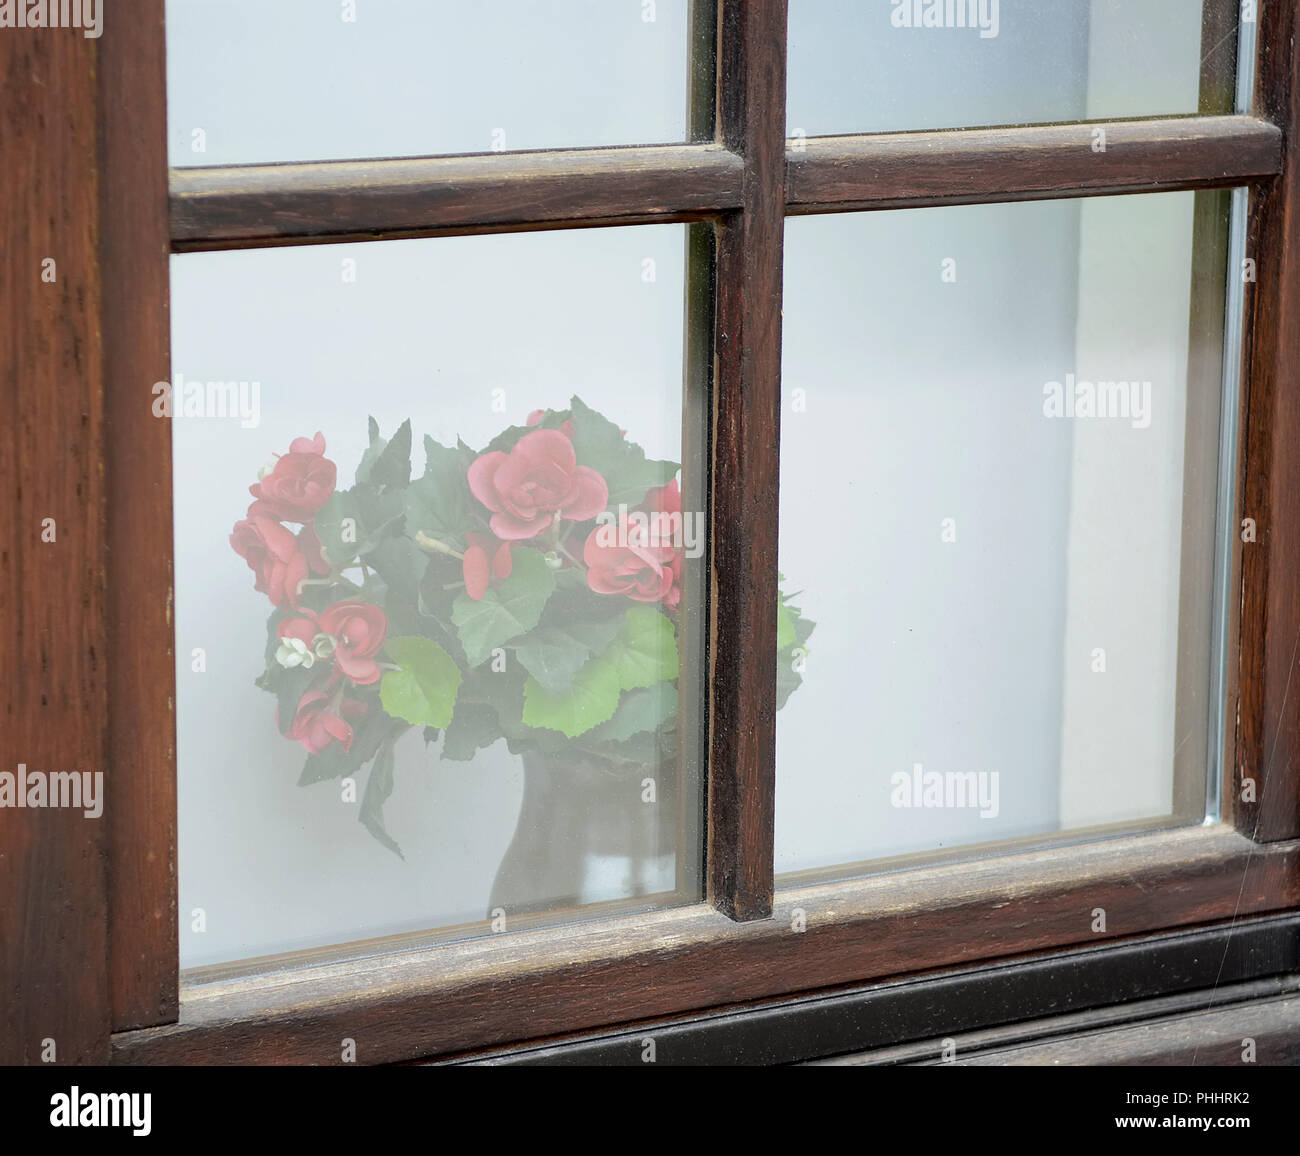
636,558
274,555
537,480
317,723
667,499
350,633
478,571
299,484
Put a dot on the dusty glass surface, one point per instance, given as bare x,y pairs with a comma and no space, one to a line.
301,80
457,584
999,466
894,65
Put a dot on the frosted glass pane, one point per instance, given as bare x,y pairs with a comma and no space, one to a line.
541,375
299,80
996,468
887,65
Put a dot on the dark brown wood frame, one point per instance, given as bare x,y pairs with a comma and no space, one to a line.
87,619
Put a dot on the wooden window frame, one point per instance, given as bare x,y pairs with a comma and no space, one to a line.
91,943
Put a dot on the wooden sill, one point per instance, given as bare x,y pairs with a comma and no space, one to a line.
439,999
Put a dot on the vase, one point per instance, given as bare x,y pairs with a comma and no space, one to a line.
586,833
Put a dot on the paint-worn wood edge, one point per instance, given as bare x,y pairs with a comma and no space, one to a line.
249,205
1268,718
967,166
745,466
54,999
265,203
143,971
453,998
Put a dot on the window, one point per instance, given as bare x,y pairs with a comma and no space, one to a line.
976,364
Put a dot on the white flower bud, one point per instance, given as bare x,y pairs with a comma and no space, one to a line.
294,652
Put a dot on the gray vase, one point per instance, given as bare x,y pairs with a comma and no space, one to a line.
580,814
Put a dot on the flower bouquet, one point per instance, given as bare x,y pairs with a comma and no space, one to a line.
529,591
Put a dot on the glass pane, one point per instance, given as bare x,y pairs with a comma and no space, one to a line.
998,447
892,65
302,80
472,655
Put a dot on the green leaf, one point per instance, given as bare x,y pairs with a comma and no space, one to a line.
423,691
334,762
786,635
554,654
788,680
624,466
643,653
288,686
473,727
392,467
803,628
401,564
354,521
435,503
377,447
507,612
591,700
645,650
643,709
378,788
505,441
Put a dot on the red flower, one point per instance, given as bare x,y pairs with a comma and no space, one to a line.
667,499
636,558
278,559
317,723
641,555
478,571
299,484
537,480
351,633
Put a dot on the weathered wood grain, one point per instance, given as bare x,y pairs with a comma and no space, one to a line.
1038,162
138,473
1268,730
53,646
244,205
453,998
